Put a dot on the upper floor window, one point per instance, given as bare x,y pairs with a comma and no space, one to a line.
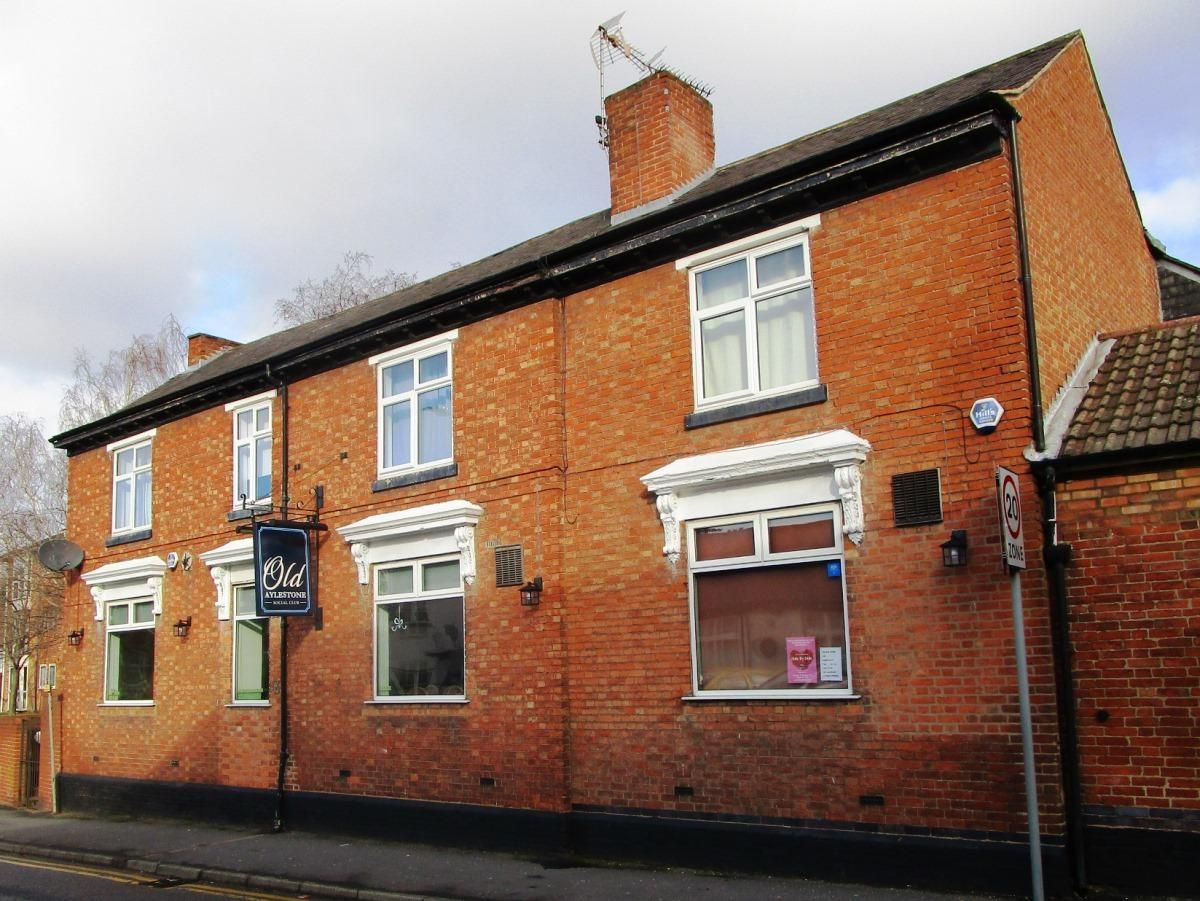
132,488
415,405
252,446
769,604
753,328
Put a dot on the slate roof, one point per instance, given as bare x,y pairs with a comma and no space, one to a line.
1145,396
985,86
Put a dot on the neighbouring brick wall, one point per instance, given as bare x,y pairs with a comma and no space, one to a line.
10,760
913,323
1134,597
1091,268
12,746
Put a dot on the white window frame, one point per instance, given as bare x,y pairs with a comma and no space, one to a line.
21,696
415,353
129,626
140,579
252,405
416,595
237,618
132,445
232,566
795,234
444,530
762,558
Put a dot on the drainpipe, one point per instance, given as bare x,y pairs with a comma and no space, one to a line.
1057,557
277,825
1036,423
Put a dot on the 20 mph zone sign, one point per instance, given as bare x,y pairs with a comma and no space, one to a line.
1011,537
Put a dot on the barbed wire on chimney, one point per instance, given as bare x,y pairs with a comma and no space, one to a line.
608,43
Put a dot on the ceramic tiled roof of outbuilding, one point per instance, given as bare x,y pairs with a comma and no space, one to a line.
1146,394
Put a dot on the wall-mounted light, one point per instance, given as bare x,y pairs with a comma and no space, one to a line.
181,628
954,551
75,637
531,592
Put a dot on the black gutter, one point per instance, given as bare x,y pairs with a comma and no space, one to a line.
1130,459
1057,557
598,259
1036,413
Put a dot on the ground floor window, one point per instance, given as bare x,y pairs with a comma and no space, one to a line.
250,645
769,604
129,668
419,629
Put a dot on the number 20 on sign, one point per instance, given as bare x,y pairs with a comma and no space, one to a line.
1012,538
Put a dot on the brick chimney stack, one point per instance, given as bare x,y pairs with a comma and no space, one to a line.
201,346
660,138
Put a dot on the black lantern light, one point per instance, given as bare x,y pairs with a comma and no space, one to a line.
531,592
954,551
75,637
181,628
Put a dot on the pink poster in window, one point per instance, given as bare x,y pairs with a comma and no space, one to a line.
802,660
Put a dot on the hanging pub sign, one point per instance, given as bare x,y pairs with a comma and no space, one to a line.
281,582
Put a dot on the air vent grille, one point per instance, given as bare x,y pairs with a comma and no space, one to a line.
917,497
509,567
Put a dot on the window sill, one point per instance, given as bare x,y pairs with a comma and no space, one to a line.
772,696
416,699
127,537
256,509
385,483
126,704
252,704
817,394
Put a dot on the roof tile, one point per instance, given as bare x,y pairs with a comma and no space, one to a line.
1144,394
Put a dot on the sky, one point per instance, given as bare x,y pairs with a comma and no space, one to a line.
202,159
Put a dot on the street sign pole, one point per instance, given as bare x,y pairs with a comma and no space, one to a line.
1012,539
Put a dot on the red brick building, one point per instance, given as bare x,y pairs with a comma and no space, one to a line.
723,426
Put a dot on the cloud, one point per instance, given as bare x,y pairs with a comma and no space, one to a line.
1173,208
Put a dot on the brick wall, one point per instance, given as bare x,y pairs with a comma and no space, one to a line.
509,453
1091,267
1133,590
917,314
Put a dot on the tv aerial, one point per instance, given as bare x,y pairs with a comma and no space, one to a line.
608,44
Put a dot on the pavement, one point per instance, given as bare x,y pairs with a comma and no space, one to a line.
327,866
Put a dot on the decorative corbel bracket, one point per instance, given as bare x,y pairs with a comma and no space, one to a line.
359,552
224,584
668,512
849,485
464,537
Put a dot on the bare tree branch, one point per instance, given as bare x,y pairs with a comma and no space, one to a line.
103,387
350,284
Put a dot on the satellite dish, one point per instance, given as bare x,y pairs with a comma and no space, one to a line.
59,555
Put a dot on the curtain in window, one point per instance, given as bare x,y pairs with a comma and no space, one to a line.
785,340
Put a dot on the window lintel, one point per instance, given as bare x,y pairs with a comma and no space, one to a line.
139,438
